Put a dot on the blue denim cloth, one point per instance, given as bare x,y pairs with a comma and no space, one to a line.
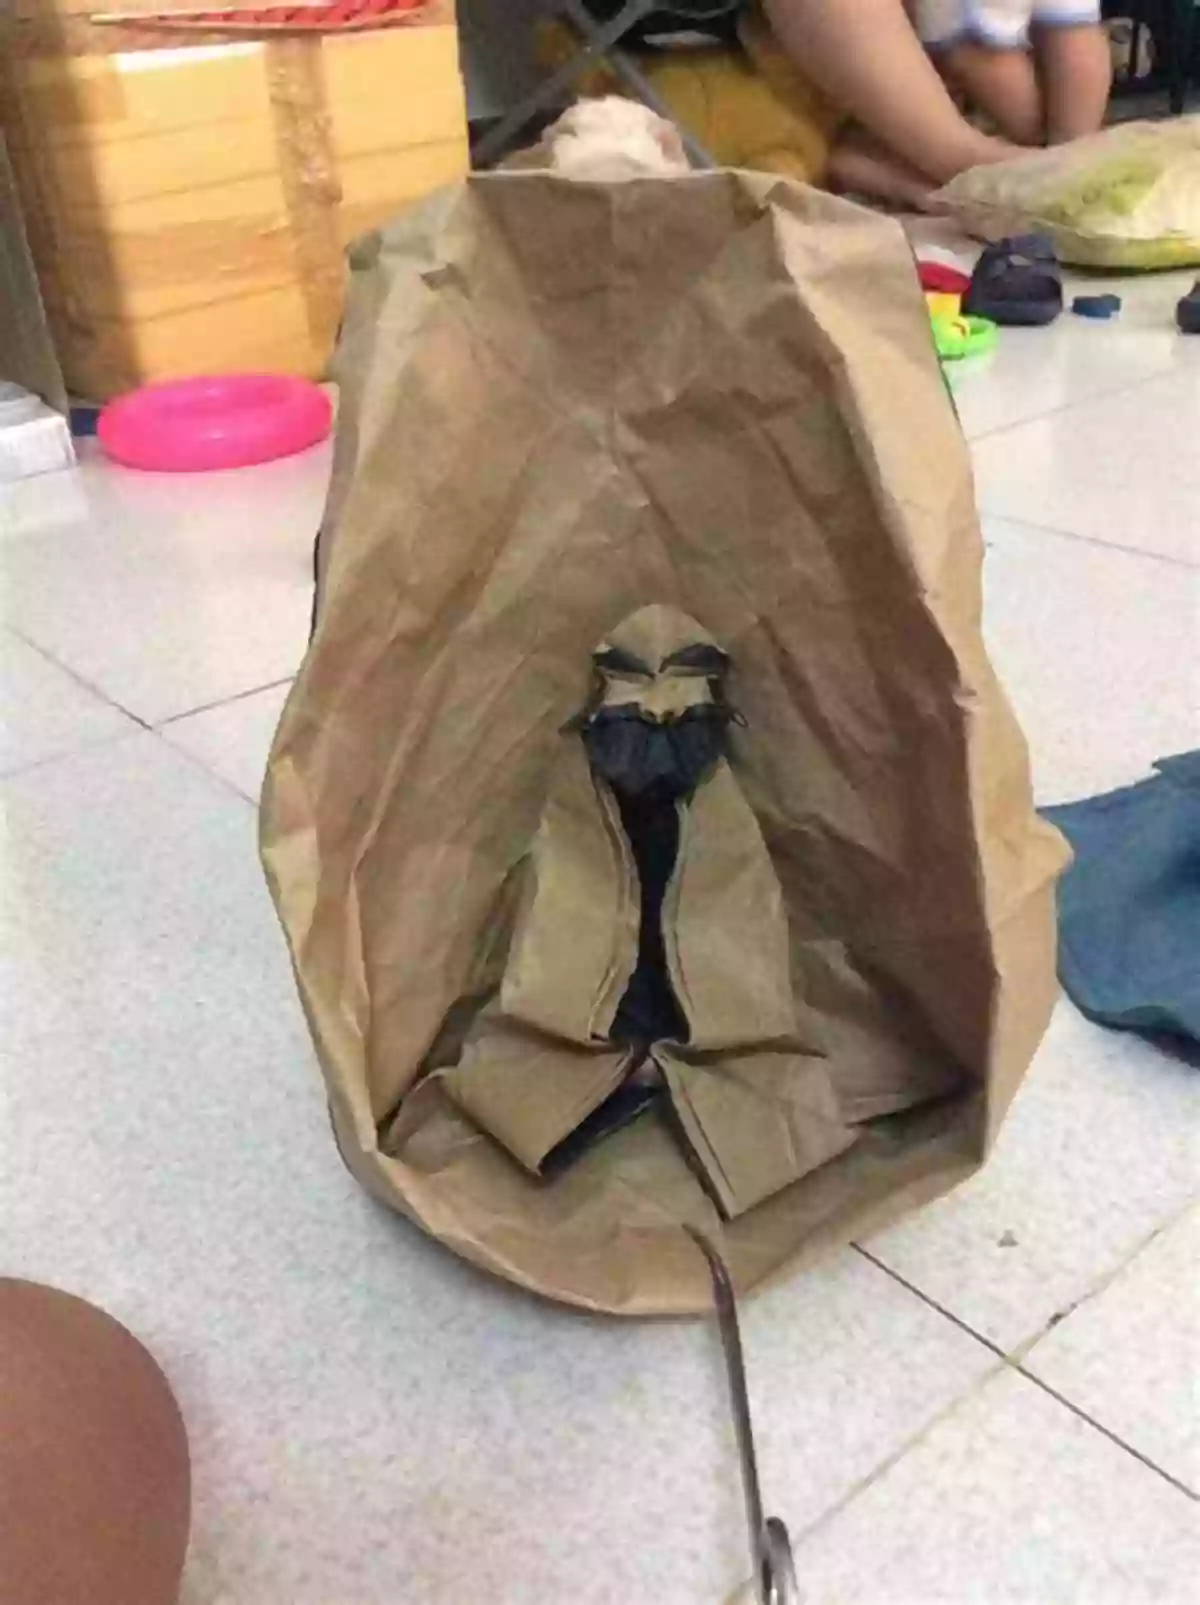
1129,908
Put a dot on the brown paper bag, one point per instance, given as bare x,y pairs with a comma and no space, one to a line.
662,461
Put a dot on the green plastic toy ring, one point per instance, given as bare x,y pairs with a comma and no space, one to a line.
956,338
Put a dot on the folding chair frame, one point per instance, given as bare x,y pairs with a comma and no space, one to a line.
601,43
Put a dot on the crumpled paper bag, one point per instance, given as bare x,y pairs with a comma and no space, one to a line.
714,397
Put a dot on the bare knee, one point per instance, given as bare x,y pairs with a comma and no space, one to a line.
94,1481
1076,68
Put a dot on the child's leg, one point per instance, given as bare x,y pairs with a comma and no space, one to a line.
1076,69
865,55
95,1495
1001,82
981,48
860,165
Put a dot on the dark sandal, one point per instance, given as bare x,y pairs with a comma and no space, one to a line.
1017,283
1187,313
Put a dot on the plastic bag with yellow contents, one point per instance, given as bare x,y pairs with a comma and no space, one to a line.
1126,198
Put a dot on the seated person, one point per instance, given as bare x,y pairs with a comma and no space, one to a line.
1039,68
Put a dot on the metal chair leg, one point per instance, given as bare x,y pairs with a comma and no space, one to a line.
636,81
1183,20
600,37
1135,51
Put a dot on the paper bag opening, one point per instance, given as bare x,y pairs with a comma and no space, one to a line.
655,925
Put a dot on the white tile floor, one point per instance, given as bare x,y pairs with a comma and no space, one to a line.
995,1402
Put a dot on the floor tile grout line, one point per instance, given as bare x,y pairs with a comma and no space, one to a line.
893,1459
1015,1363
1104,1431
137,718
73,674
955,1320
1104,394
1110,1278
20,770
987,514
204,768
101,743
221,702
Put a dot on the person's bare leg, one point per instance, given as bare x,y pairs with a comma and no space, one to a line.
1076,70
95,1495
1002,83
860,165
865,55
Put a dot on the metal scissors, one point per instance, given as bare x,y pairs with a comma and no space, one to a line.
770,1546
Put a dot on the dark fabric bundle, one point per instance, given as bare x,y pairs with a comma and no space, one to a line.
1129,906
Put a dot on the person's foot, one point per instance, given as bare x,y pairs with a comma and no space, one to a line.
987,149
859,166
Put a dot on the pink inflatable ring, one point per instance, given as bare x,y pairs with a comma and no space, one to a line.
189,426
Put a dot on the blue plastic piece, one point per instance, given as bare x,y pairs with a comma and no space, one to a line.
1096,306
83,419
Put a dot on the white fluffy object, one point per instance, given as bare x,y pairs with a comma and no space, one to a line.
614,138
